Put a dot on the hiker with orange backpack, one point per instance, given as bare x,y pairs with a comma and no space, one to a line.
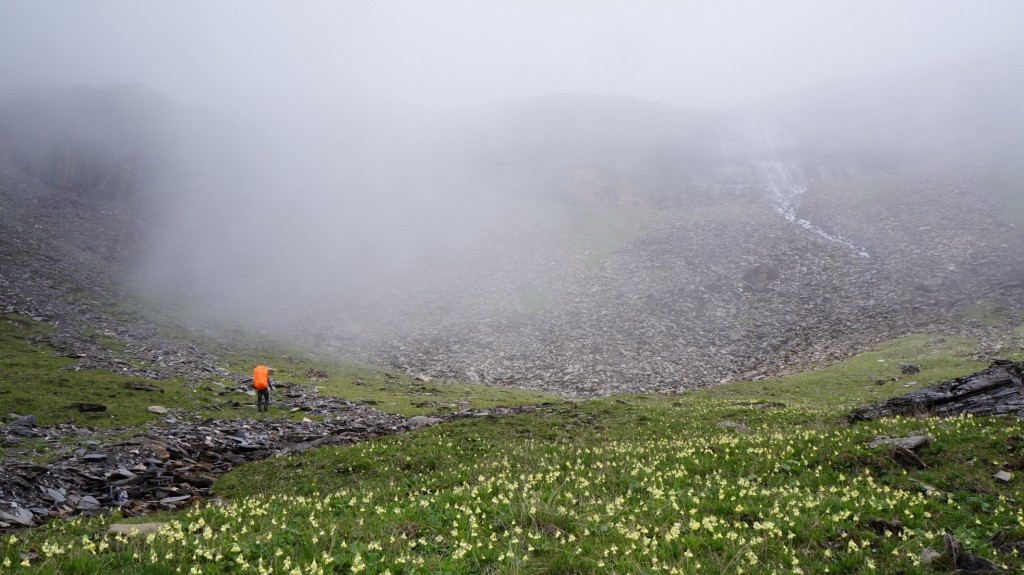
261,381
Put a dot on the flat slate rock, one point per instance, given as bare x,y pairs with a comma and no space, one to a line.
28,421
17,515
912,442
419,421
87,502
134,528
733,425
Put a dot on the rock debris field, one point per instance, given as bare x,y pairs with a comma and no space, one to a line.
740,294
173,463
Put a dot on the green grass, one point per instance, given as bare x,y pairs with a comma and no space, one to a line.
390,391
597,233
988,313
633,484
107,341
594,234
1015,345
35,380
867,377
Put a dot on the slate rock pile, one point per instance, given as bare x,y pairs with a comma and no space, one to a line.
174,463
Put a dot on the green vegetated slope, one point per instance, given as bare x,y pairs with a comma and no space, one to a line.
868,377
596,232
758,477
390,391
35,379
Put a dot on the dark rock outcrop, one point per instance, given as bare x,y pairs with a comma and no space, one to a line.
999,390
175,462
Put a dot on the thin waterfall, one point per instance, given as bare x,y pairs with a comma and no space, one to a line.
784,194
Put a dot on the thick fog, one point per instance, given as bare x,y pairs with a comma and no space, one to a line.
317,155
274,55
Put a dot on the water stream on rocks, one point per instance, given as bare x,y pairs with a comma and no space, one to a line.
784,193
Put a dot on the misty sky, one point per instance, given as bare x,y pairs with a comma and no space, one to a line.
454,53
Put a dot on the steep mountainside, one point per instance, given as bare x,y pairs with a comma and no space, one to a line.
733,292
798,233
635,247
73,221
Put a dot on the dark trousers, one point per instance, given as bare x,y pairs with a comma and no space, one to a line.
263,399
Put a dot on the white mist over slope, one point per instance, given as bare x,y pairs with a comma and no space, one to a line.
335,156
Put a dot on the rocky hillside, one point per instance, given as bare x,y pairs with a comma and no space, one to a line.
72,226
782,239
735,291
641,247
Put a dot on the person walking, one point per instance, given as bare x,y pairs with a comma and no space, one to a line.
261,381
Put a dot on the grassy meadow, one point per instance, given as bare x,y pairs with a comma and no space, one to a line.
36,379
755,477
387,390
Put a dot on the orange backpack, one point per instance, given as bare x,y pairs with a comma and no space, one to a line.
260,379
